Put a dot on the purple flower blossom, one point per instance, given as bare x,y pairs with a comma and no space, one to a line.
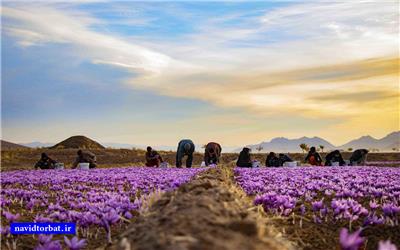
350,241
51,245
11,217
75,243
386,245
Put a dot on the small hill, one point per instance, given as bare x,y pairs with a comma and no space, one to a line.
5,145
78,141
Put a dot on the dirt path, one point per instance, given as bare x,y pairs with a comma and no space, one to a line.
207,213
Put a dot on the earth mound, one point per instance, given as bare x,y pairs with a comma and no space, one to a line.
78,141
207,213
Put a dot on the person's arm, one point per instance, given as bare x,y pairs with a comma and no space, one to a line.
37,165
307,157
318,156
147,156
75,164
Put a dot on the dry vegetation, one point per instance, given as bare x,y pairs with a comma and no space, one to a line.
18,159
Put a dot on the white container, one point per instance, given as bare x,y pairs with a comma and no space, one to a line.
255,164
203,164
335,164
290,164
164,164
59,166
83,166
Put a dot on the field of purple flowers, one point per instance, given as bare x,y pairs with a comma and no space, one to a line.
99,201
354,198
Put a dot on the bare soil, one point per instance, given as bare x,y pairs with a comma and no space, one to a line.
207,213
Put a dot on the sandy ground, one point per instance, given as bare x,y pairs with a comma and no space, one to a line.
207,213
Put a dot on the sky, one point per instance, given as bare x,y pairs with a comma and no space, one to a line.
152,73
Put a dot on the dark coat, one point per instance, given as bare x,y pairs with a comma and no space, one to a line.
284,158
244,160
272,160
212,153
153,158
334,156
85,157
45,163
181,152
358,157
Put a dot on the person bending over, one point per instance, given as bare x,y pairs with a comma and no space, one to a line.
185,148
244,160
272,160
284,158
334,156
212,153
358,157
85,157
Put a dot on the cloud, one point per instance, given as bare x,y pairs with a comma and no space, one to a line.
42,24
318,59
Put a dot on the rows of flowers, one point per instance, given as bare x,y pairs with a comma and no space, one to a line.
97,200
354,197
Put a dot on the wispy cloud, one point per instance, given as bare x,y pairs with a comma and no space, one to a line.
318,59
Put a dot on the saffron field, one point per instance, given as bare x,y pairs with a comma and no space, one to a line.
98,201
350,198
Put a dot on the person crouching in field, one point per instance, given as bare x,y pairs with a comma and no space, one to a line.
334,156
284,158
185,148
358,157
272,160
85,157
313,158
212,153
45,162
153,158
244,160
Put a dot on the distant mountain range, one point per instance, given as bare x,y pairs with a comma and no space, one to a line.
281,144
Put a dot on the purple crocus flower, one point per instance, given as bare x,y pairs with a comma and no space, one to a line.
317,205
52,245
386,245
75,243
350,241
45,239
11,217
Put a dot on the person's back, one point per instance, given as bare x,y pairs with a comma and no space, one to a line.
45,162
313,157
334,156
212,153
186,147
244,160
85,157
284,158
358,157
272,160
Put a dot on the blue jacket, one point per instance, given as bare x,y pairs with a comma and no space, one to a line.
180,152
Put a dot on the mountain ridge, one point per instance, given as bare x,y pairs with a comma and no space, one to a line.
283,144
